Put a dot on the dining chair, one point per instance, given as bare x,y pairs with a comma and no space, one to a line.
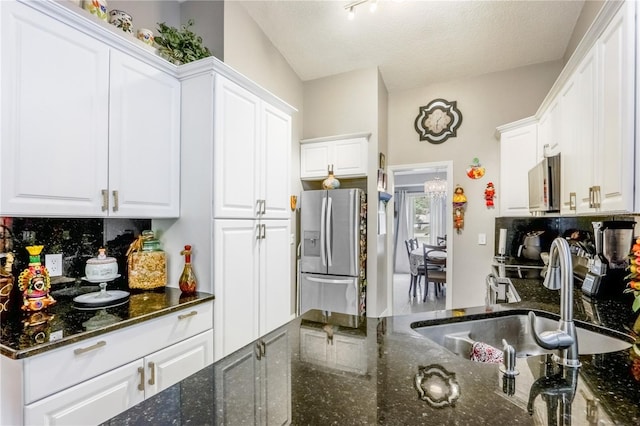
415,279
435,269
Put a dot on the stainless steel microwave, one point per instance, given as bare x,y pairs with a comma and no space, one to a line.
544,185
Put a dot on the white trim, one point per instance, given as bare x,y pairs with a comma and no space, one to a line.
337,137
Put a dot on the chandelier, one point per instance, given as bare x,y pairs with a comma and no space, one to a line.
435,188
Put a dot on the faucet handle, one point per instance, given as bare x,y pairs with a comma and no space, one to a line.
508,366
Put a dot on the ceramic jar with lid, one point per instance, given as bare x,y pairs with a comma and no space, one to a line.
96,7
101,267
121,19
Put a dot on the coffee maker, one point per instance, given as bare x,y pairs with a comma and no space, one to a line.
607,266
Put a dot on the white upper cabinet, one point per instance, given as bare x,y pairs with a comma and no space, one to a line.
54,117
95,133
347,155
251,155
144,140
518,154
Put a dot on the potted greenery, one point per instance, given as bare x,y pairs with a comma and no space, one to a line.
180,46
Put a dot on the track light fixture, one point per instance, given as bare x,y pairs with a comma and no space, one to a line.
351,7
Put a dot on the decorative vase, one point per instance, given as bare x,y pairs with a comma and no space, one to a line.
188,280
34,283
96,7
331,182
145,35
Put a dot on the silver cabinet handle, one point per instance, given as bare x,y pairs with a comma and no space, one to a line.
258,232
141,384
596,197
264,206
185,316
115,201
258,207
591,197
263,348
264,231
80,351
105,200
152,369
572,201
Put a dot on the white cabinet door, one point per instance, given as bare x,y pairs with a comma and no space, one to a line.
569,137
347,156
91,402
236,258
54,116
580,157
236,152
614,156
350,157
276,181
275,275
169,366
315,159
517,156
144,140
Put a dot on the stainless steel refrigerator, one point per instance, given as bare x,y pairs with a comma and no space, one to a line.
333,251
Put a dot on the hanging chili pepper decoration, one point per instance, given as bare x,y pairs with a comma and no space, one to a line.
489,195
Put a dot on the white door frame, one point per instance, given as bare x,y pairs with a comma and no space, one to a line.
448,166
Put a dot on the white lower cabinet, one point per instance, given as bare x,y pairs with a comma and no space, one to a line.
263,371
89,382
253,272
109,394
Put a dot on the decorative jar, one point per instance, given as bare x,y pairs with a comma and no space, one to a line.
121,19
145,35
147,263
96,7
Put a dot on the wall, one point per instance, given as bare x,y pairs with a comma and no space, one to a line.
351,103
589,12
485,102
248,51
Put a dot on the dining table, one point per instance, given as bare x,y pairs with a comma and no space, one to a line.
416,257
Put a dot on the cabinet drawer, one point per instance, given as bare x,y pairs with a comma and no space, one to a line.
59,369
91,402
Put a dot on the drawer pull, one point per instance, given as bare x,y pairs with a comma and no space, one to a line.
80,351
152,369
185,316
141,384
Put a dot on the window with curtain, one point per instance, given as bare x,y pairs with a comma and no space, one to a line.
419,209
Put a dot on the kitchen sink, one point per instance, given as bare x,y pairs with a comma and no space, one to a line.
459,336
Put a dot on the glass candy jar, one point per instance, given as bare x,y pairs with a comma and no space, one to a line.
147,263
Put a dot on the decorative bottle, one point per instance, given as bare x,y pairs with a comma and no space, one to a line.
331,182
188,277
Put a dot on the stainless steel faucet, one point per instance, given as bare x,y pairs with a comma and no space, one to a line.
560,276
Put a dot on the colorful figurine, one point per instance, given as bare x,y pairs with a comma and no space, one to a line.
459,204
34,283
489,195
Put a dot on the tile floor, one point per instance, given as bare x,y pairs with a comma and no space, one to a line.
404,304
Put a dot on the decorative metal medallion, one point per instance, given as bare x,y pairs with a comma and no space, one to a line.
438,387
438,121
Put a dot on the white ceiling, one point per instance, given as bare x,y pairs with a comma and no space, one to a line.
416,43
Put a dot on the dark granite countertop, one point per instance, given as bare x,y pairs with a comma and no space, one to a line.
304,390
63,324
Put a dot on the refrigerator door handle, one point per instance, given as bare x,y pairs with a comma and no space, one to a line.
323,231
328,233
329,281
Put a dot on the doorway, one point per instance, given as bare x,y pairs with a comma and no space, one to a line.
419,213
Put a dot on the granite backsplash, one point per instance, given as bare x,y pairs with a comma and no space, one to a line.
553,227
77,240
